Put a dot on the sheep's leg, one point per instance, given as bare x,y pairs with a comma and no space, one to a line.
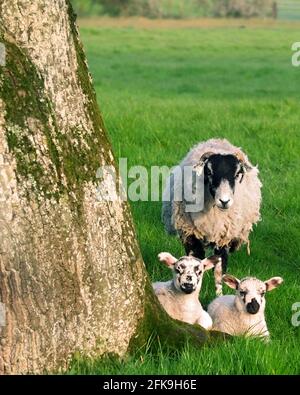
194,246
220,268
234,245
218,279
223,252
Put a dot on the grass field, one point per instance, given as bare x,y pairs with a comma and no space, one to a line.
162,89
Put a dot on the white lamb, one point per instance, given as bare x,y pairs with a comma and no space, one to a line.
243,313
180,296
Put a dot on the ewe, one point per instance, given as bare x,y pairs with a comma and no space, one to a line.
180,296
231,201
243,313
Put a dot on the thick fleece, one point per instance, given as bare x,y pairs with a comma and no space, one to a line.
211,225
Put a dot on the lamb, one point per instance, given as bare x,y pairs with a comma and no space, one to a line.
231,195
243,313
180,296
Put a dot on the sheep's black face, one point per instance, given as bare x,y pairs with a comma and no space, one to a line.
220,174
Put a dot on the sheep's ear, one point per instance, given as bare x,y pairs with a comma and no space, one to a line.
167,258
273,282
198,167
244,165
211,262
231,281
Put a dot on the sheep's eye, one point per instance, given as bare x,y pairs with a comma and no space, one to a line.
243,293
179,269
263,293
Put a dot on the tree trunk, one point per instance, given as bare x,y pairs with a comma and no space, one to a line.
71,274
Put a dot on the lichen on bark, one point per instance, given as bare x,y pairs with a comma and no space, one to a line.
60,162
26,108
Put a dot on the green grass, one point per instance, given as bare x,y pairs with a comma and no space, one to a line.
160,92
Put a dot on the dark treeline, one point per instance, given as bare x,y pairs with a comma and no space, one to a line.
176,8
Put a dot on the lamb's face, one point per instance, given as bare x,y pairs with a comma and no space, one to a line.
221,172
187,274
250,295
187,271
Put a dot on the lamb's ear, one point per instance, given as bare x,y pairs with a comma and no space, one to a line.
231,281
211,262
273,282
167,258
198,167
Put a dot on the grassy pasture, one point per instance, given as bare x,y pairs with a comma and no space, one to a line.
161,89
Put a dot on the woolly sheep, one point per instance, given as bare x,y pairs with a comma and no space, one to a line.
180,296
243,313
231,193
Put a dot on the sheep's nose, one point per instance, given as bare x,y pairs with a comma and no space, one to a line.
253,306
224,202
187,288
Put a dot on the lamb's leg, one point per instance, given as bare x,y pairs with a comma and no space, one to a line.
220,268
194,246
205,320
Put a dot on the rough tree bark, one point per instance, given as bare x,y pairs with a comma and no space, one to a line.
71,274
